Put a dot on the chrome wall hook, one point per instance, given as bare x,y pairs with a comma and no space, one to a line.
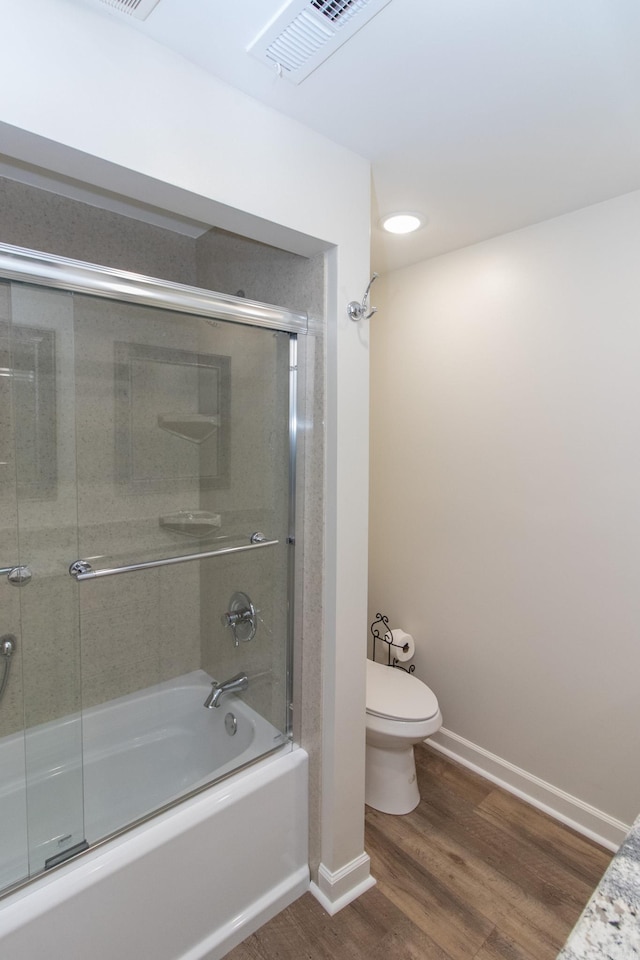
358,311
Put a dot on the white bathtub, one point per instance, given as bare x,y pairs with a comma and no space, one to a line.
190,883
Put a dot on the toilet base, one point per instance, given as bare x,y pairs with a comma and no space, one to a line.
391,783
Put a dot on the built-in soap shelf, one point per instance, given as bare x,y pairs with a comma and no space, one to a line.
196,427
192,523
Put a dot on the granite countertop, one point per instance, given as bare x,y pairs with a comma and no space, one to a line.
610,924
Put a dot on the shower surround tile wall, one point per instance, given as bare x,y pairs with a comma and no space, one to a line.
230,263
258,468
128,622
150,636
40,220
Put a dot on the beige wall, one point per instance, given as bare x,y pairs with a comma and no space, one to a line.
505,518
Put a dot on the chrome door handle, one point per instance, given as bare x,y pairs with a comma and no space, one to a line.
7,650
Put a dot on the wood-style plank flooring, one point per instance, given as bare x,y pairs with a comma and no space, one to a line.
472,872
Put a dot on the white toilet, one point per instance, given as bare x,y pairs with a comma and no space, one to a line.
401,711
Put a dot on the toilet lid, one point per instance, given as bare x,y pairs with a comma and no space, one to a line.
398,695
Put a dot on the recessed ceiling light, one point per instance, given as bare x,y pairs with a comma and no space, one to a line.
401,222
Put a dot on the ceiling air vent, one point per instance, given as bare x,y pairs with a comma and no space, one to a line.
307,32
140,9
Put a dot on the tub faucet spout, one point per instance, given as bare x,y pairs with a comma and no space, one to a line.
234,685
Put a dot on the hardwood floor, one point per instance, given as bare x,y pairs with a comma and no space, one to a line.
472,872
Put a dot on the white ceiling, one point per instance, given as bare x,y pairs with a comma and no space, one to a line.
484,115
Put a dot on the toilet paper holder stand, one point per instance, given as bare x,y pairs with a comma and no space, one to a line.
386,633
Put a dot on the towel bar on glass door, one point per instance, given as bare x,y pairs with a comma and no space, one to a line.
82,570
18,576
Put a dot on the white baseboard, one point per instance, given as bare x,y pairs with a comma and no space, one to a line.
334,890
582,817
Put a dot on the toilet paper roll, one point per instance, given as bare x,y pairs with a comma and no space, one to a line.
403,645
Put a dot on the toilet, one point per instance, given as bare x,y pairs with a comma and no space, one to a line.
401,711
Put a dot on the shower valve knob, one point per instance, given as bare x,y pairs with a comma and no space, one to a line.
232,619
242,617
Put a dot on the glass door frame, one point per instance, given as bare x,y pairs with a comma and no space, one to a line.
60,273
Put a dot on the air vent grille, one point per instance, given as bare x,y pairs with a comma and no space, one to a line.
307,32
337,10
140,9
301,39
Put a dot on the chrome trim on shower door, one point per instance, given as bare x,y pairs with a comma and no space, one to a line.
31,266
291,537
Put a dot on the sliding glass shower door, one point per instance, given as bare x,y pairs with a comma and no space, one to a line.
41,795
182,430
146,514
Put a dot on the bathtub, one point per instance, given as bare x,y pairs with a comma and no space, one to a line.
189,883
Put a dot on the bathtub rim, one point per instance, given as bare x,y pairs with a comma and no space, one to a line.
109,855
286,748
197,679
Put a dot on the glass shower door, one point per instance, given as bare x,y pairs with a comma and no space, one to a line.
14,861
183,457
40,718
146,522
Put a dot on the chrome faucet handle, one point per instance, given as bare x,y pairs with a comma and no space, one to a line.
242,617
233,617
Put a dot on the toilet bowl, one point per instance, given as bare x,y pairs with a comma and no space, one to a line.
401,711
